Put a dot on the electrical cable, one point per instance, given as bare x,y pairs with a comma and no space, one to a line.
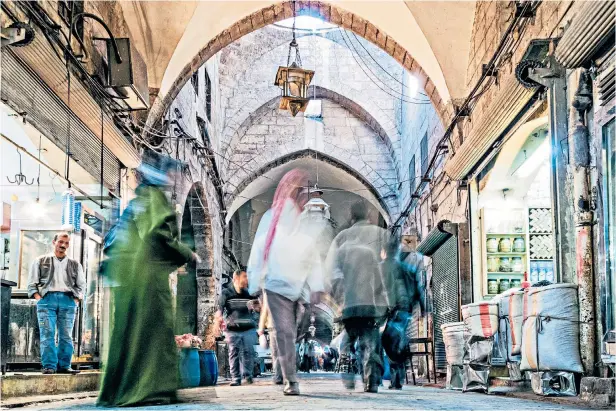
489,67
375,83
380,66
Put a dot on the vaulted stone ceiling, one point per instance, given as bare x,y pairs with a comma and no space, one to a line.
170,35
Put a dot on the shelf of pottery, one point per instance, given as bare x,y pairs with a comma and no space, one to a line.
517,241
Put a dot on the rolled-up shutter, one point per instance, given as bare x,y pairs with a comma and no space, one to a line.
591,26
511,100
606,81
51,70
26,92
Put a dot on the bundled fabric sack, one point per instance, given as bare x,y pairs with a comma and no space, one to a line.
395,339
453,338
550,334
516,319
481,319
509,340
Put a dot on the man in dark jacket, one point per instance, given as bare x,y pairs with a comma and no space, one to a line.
241,332
362,290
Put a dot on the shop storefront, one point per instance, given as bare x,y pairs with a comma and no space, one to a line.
511,213
34,203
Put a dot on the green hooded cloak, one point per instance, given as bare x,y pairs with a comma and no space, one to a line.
142,250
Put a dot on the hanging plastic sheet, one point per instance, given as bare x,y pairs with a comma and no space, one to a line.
476,377
454,377
554,383
478,350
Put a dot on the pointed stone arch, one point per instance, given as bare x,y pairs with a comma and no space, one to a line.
280,11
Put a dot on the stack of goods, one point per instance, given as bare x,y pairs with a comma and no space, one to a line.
481,324
550,339
453,337
510,312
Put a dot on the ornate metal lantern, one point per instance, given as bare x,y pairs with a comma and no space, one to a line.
294,80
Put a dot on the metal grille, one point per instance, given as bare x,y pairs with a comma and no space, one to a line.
24,91
445,292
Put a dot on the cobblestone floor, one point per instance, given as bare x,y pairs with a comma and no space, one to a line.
325,391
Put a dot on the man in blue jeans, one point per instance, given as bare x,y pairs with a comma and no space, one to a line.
57,283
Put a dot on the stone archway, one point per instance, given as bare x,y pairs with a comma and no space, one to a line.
243,189
196,288
277,12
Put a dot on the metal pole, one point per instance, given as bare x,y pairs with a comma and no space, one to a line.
564,243
580,137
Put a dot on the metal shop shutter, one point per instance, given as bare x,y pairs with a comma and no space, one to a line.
591,26
445,292
25,92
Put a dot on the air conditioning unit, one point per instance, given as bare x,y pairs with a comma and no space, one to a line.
128,78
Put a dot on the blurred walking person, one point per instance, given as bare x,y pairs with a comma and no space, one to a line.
141,251
408,292
362,289
265,322
240,330
286,265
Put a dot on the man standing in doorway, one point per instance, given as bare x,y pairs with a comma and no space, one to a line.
241,333
57,283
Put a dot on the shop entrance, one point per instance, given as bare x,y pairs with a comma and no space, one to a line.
513,221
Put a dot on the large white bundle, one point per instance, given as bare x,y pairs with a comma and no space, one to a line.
516,320
453,338
550,334
510,316
481,319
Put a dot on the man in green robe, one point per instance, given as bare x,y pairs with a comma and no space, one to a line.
141,252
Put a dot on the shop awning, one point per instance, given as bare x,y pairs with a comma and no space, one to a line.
39,57
511,100
437,237
591,26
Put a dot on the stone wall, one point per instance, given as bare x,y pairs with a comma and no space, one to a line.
196,188
248,67
274,133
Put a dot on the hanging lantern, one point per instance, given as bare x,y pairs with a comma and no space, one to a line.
293,80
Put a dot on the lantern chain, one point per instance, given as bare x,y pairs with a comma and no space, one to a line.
294,45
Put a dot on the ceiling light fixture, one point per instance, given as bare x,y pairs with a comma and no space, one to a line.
294,80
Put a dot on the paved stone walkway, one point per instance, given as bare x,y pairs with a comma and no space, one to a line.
325,391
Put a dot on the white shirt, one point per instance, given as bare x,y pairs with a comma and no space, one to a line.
59,282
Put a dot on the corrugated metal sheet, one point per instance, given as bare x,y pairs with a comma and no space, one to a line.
606,81
39,56
591,26
510,101
23,90
445,294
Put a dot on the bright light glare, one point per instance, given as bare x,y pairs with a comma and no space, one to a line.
412,86
38,210
314,109
306,23
539,156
